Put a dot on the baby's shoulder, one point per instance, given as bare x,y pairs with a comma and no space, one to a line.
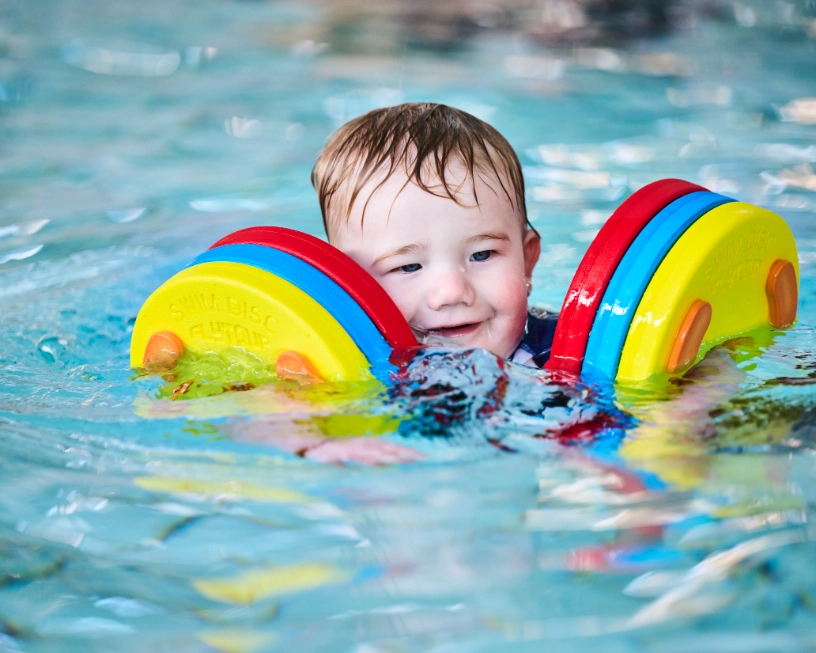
539,332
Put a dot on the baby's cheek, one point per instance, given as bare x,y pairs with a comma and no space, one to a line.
514,297
402,296
511,311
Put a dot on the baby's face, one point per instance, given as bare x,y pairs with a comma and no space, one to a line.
459,273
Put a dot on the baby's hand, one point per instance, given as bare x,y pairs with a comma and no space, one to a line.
364,451
294,366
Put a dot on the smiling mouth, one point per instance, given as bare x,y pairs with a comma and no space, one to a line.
457,331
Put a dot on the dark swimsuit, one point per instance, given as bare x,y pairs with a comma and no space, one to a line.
535,346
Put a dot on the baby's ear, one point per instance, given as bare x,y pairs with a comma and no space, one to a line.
532,250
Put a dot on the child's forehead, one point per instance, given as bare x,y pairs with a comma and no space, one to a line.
455,183
388,203
452,180
453,168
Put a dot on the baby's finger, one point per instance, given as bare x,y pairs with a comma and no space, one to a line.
363,451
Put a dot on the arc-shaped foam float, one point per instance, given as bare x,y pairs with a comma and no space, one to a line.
739,259
269,290
215,305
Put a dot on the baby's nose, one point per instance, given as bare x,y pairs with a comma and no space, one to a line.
450,287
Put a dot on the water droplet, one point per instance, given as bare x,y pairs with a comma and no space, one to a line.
52,348
126,215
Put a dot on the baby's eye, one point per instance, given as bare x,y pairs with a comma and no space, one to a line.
482,256
410,267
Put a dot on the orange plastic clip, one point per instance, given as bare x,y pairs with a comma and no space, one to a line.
783,294
162,351
689,337
294,366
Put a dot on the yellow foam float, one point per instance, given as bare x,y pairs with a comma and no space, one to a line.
739,260
220,304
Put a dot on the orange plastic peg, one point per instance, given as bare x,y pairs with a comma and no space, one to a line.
294,366
689,337
162,351
783,294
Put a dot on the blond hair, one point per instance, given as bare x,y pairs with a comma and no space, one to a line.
420,138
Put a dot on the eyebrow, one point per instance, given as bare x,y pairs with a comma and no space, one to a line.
406,249
493,235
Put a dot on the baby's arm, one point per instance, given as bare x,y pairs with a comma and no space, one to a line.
294,366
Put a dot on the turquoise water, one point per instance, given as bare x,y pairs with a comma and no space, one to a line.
135,135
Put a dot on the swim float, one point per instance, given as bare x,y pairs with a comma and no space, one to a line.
680,270
271,290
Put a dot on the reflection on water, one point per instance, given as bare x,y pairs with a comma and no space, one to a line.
520,511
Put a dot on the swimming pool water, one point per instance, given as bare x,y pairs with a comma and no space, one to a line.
542,517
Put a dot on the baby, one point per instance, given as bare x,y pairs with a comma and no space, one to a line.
430,201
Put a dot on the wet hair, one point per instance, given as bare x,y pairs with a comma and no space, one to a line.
422,139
